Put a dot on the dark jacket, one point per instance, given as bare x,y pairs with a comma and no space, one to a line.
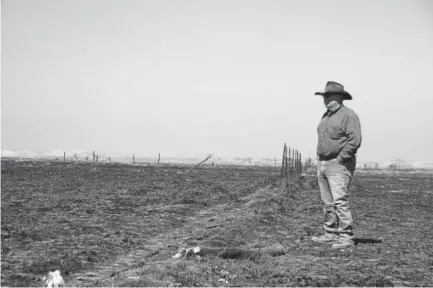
339,134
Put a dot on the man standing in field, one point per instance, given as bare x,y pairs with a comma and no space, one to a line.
339,134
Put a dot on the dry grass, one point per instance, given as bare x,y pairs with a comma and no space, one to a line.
119,226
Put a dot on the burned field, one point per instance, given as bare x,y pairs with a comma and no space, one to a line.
120,225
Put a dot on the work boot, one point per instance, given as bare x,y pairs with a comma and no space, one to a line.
343,243
325,238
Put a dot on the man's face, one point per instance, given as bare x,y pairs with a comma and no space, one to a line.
332,99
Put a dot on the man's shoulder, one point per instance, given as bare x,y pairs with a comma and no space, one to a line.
349,112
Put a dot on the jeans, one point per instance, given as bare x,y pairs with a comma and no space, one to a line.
334,181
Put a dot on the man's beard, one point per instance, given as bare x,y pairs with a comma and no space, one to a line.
332,105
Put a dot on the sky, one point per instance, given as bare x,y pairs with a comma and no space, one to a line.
232,77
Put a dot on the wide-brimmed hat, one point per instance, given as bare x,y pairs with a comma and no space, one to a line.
335,88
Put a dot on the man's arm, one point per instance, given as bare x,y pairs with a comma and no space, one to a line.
354,138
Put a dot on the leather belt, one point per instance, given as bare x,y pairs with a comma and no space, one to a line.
327,158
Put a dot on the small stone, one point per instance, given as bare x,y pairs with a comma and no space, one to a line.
224,272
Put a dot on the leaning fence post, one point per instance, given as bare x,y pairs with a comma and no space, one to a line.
194,167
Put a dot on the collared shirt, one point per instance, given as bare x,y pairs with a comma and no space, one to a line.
339,133
332,109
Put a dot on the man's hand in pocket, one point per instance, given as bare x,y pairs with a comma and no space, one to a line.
340,160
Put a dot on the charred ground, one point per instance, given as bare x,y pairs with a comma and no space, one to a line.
119,225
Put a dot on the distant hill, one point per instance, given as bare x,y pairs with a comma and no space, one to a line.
423,165
396,162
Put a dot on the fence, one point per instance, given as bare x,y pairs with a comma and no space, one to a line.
288,168
291,166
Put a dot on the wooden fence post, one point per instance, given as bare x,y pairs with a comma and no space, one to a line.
289,165
300,162
300,169
93,159
294,163
159,158
64,156
133,159
283,162
207,158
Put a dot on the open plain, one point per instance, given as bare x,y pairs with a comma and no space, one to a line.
120,225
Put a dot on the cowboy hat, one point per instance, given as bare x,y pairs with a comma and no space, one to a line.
335,88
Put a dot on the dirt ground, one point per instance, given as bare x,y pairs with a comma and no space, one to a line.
120,225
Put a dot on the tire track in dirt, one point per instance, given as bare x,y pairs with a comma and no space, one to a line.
69,219
158,250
